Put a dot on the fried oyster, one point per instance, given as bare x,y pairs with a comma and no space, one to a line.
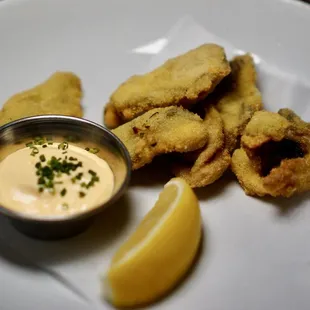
180,81
274,158
237,99
60,94
160,131
110,117
203,167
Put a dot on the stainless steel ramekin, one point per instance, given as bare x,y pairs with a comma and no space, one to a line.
79,132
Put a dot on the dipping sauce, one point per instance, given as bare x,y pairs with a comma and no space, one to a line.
52,179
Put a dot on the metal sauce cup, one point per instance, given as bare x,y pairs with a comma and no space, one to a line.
76,131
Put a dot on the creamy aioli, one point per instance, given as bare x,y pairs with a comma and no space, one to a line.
20,189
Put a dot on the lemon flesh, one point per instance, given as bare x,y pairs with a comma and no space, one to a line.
159,252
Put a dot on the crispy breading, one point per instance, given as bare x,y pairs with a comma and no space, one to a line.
208,164
160,131
292,117
274,158
60,94
237,99
180,81
110,117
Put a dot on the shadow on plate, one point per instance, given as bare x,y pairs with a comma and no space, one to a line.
217,188
287,206
156,173
105,230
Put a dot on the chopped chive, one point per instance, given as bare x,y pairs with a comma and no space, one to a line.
50,184
34,151
44,146
41,189
38,165
87,149
41,181
50,143
63,146
79,176
93,173
93,150
42,158
81,194
29,144
39,140
63,192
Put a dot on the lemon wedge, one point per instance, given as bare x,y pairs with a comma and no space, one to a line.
159,252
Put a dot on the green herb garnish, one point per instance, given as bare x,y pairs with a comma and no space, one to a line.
34,151
63,146
39,140
93,150
79,176
47,171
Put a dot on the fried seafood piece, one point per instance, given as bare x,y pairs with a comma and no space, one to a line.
160,131
207,165
180,81
110,117
274,158
292,117
237,99
60,94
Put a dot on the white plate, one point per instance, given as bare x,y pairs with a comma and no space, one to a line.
255,256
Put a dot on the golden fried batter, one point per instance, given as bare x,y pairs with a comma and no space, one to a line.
60,94
110,116
237,99
292,117
160,131
212,161
181,81
275,155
